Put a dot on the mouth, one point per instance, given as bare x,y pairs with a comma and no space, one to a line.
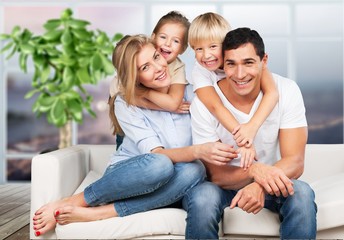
210,63
165,52
241,83
161,77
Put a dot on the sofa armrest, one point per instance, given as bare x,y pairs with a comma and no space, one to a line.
57,174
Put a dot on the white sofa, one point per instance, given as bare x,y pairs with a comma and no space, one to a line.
63,172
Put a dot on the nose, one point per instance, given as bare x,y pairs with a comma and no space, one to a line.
240,72
158,67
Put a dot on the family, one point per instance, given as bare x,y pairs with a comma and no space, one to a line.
233,135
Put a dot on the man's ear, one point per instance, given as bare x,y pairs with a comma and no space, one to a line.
265,60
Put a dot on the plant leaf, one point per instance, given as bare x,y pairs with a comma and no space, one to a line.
52,24
66,37
83,76
67,78
52,35
27,48
77,23
30,93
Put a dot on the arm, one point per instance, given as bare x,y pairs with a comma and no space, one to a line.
215,153
246,132
213,103
162,101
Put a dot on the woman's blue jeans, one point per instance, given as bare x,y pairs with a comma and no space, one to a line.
143,183
205,204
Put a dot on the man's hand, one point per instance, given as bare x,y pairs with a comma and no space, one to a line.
272,179
250,198
216,153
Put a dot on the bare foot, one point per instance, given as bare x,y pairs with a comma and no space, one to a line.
70,214
44,219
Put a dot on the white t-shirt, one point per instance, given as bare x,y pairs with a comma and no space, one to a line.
202,77
289,112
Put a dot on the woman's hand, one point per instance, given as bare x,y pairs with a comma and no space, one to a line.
183,108
216,153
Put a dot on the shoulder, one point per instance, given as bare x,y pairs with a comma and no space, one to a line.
284,84
176,64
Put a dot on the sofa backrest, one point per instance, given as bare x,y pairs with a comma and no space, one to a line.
323,160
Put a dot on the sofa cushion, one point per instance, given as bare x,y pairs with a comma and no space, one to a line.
237,221
329,196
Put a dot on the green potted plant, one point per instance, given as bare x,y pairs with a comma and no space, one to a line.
66,57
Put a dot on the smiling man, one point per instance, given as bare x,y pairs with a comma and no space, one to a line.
280,143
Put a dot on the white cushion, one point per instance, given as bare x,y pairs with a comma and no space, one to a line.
237,221
329,196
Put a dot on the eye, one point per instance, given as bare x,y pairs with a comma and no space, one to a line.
157,56
162,36
229,63
176,41
198,49
144,68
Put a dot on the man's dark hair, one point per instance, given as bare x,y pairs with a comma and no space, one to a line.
242,36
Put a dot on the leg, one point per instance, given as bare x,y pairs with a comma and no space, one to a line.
185,177
297,212
205,204
129,178
147,173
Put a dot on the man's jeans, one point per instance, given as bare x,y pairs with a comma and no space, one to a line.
143,183
205,204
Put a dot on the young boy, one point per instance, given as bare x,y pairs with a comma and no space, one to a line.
206,34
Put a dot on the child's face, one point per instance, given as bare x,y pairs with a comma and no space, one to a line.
169,40
209,55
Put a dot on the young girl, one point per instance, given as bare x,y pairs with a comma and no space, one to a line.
206,34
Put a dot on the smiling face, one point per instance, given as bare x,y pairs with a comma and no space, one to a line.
169,40
152,69
209,54
243,68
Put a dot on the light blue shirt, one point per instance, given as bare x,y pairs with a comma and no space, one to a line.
147,129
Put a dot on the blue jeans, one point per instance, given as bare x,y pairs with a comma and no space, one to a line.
143,183
205,204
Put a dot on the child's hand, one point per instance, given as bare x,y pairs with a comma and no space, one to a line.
244,134
248,155
183,107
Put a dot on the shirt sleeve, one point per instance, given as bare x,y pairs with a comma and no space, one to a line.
294,112
135,126
201,77
203,123
177,71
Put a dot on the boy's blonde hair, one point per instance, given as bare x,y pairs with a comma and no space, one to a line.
177,18
208,27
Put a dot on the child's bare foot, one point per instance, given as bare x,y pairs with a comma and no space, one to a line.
70,214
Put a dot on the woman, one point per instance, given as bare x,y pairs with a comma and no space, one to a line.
155,165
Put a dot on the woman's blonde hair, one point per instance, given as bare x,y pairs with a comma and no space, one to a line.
208,27
124,60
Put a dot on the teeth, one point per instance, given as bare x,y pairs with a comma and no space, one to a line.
162,76
241,83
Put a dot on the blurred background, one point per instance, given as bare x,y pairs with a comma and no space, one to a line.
304,41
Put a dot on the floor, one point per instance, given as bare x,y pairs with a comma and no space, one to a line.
14,211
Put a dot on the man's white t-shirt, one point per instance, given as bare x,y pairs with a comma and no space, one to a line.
289,112
202,77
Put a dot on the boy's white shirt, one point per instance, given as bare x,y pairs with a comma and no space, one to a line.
202,77
288,113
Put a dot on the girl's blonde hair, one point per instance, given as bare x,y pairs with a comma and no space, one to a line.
124,60
208,27
177,18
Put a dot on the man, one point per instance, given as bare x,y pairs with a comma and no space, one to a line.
271,182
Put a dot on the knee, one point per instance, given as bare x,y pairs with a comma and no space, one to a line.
303,191
195,171
158,167
205,198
